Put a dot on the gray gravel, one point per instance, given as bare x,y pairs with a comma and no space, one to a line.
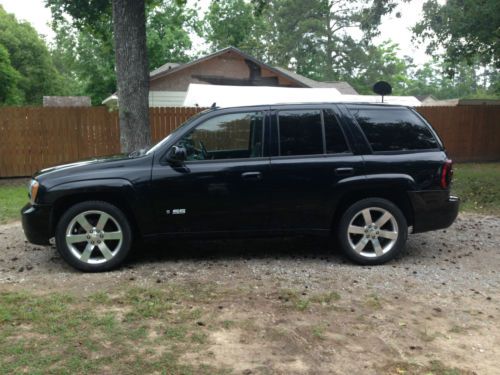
462,259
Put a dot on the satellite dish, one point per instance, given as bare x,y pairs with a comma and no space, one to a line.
382,88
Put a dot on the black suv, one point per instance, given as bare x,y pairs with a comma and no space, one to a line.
368,173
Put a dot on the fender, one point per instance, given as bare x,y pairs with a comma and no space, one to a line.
118,189
384,182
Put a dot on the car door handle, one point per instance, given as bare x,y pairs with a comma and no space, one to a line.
252,176
344,171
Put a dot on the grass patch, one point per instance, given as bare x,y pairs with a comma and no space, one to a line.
228,324
318,332
373,301
325,298
477,185
12,199
59,333
293,299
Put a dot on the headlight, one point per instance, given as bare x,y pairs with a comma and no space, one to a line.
33,190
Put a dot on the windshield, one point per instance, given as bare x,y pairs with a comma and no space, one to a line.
164,140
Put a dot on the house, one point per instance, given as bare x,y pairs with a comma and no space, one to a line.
426,99
66,101
230,67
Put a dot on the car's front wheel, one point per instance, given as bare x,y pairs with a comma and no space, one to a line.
93,236
372,231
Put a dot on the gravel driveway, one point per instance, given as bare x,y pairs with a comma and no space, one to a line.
439,301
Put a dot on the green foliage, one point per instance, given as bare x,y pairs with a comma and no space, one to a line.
84,46
235,23
9,79
315,38
379,63
467,81
27,71
468,29
168,29
310,37
86,62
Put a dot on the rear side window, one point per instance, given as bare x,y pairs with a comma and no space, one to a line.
394,129
300,132
334,137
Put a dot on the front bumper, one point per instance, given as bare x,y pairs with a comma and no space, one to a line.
433,210
36,223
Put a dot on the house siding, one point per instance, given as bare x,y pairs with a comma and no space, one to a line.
166,98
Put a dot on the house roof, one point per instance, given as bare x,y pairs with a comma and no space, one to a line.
163,70
170,68
342,86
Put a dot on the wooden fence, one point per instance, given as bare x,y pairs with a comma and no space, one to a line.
470,133
36,138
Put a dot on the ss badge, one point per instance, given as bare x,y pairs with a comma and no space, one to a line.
176,211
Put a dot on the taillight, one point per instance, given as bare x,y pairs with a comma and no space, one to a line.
446,174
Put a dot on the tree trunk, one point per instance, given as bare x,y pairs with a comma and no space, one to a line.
129,24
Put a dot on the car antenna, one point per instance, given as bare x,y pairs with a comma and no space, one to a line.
214,105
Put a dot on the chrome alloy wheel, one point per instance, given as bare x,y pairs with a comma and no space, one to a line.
94,237
372,232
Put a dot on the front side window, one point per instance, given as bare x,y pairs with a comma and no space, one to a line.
300,132
231,136
394,129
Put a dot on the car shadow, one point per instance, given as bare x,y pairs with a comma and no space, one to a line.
236,249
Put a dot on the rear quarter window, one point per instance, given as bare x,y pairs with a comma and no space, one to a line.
394,129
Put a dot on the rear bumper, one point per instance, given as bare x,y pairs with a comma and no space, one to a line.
36,223
433,210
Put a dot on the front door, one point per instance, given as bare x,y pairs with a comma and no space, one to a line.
223,186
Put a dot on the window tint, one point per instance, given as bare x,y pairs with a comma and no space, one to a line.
394,129
300,132
334,137
231,136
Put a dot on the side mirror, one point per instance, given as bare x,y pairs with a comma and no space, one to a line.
177,155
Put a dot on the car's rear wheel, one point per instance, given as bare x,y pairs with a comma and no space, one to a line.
372,231
93,236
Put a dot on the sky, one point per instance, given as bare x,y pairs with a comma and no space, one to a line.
393,28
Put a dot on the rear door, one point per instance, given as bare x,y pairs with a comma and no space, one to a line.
310,158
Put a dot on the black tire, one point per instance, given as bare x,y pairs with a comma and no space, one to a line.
368,256
123,245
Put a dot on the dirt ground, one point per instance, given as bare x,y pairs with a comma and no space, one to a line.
293,306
